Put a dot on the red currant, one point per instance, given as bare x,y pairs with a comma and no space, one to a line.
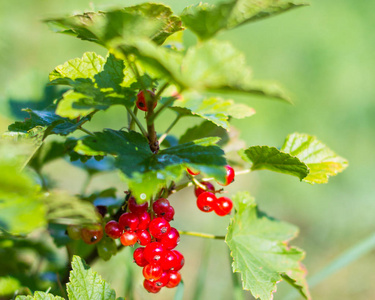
168,215
159,227
192,172
152,271
163,280
141,100
206,201
179,262
136,208
129,221
174,279
128,238
139,257
150,287
171,239
210,188
229,177
113,229
223,206
169,260
144,220
92,234
144,237
160,206
154,252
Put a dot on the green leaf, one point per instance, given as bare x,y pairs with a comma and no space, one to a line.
260,250
63,208
49,121
86,284
97,84
146,172
149,20
205,129
214,109
207,20
8,285
40,296
213,66
270,158
321,160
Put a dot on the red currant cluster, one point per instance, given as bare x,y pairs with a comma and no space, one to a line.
206,199
159,261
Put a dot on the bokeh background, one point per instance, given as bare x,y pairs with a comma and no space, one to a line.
323,54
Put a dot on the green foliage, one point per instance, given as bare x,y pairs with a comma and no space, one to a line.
148,20
270,158
205,129
8,285
40,296
207,20
49,121
97,84
86,284
302,155
260,250
106,248
321,160
146,173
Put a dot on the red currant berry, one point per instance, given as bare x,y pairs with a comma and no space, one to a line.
179,262
150,287
230,176
139,257
74,232
113,229
152,271
144,237
136,208
223,206
168,215
141,100
129,221
128,238
144,220
206,201
160,206
163,280
154,252
192,172
92,234
171,239
169,260
210,188
159,227
174,279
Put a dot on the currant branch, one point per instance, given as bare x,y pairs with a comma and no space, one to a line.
202,235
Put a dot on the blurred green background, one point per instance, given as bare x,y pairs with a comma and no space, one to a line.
323,54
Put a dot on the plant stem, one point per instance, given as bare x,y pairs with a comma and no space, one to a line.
86,131
136,120
202,235
165,105
86,184
161,90
132,122
161,139
62,290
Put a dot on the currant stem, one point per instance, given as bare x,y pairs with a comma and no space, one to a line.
197,183
165,105
161,139
161,90
86,131
202,235
132,122
136,120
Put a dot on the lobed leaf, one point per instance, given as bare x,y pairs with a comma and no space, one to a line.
214,109
97,83
85,284
205,129
260,249
145,172
149,20
270,158
40,296
207,20
321,160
